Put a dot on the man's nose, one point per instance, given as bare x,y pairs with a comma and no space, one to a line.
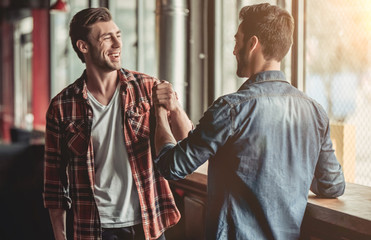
116,41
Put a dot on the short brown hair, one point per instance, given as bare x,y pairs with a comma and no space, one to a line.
81,22
272,25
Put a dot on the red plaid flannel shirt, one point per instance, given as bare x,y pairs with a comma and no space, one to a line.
69,160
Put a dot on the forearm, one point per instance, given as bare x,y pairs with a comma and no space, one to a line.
58,220
180,124
164,96
328,178
328,184
163,133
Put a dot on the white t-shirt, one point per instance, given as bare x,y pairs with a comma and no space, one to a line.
115,191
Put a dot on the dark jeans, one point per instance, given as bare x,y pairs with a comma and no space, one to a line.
126,233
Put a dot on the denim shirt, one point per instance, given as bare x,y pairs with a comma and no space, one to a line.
267,144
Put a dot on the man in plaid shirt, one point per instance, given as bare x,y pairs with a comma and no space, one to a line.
99,138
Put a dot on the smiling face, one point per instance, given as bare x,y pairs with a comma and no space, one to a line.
104,46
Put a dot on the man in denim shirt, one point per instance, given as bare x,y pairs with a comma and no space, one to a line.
267,144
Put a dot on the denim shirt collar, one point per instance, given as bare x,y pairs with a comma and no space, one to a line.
263,77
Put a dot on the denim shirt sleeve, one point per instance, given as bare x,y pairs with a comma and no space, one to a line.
328,178
214,129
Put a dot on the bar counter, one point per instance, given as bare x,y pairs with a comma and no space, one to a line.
347,217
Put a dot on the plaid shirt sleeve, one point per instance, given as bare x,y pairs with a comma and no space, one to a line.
56,194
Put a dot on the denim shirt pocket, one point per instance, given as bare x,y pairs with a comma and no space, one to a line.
76,137
138,120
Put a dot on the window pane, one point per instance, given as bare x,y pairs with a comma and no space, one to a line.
124,15
148,43
23,117
65,66
338,76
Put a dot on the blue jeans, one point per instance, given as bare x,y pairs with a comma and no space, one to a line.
126,233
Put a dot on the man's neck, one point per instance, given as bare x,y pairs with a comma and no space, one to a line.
101,85
271,66
266,66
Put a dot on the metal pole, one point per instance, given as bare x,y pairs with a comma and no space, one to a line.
172,41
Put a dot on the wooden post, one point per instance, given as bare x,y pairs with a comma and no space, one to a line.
343,137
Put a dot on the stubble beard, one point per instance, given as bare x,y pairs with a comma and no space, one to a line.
241,63
103,63
112,66
239,68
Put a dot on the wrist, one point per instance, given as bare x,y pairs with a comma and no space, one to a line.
161,112
177,110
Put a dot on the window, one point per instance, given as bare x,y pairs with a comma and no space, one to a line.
137,23
338,76
23,117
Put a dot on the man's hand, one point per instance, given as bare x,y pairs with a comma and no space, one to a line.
165,100
163,94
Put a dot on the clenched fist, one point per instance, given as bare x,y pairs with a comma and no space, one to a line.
164,95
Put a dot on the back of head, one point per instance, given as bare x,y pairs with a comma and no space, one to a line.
273,27
80,25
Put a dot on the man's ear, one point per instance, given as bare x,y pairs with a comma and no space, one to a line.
82,46
253,43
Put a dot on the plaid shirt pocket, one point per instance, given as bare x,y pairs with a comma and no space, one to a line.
77,137
138,121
